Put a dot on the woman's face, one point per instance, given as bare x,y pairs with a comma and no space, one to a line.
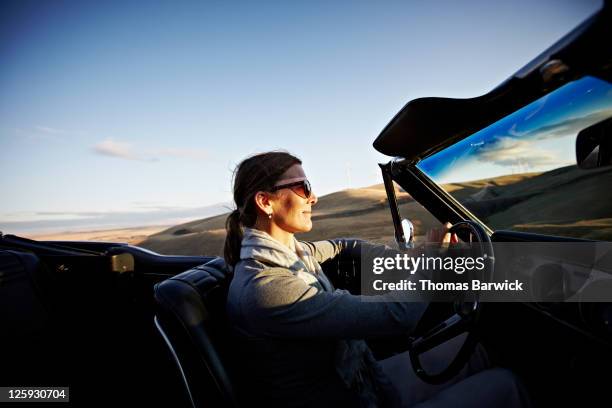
290,211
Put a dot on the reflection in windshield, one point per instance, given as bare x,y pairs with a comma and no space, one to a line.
537,138
520,173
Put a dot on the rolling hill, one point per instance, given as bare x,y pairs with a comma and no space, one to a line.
566,201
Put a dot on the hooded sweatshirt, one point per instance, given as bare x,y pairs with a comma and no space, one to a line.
299,338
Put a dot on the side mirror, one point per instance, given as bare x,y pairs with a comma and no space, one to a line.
594,145
408,230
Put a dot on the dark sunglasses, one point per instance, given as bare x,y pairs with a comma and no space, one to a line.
301,188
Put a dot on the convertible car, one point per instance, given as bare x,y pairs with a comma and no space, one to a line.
121,324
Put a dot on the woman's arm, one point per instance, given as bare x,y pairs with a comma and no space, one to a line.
283,305
341,259
346,248
351,248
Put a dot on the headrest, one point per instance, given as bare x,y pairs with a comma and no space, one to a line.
202,276
196,292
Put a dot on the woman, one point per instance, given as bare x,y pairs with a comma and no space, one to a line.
298,337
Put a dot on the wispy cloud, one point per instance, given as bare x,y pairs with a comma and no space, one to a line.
570,126
124,150
508,151
520,147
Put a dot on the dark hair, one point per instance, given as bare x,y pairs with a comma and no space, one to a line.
255,173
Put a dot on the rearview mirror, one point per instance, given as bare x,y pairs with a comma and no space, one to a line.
408,230
594,145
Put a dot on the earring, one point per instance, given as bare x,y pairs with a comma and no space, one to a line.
270,216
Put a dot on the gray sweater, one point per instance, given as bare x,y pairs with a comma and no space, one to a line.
298,337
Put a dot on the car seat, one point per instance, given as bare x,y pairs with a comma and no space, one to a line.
191,318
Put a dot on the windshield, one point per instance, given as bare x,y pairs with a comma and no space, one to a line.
520,173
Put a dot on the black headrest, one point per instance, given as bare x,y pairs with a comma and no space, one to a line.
191,316
196,293
203,277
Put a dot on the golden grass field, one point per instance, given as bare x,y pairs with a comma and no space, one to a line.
567,201
130,235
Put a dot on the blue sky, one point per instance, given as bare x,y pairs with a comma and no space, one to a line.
112,108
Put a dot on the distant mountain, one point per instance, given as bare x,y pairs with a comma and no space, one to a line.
71,222
567,201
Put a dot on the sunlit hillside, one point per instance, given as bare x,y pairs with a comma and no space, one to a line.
566,201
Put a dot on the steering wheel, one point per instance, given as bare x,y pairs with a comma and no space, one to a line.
463,320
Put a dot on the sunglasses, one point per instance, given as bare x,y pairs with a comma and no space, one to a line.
301,188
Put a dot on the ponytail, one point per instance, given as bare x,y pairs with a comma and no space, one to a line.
233,238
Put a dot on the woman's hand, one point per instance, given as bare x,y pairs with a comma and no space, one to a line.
442,235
